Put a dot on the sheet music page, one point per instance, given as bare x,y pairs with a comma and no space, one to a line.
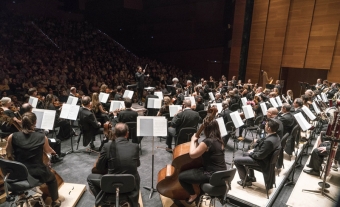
278,100
149,88
173,109
219,106
318,96
159,94
157,103
221,125
73,113
273,102
65,110
40,114
144,126
128,94
116,105
324,97
72,100
244,101
263,108
308,112
316,108
211,95
103,97
48,119
302,121
160,126
150,103
235,117
192,99
33,101
248,111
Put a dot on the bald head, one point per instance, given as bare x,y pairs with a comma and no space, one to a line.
272,112
187,103
121,130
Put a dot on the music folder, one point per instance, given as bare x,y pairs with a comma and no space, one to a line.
33,101
192,99
69,111
278,100
248,111
103,97
116,105
159,94
152,126
263,108
45,118
154,103
173,109
211,95
128,94
72,100
236,118
316,108
222,127
273,102
302,121
308,112
324,97
244,101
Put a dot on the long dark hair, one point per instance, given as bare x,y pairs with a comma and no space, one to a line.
28,122
212,131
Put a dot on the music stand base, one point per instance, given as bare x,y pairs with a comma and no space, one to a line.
321,193
151,189
290,182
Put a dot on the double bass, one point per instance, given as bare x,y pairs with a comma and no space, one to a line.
168,184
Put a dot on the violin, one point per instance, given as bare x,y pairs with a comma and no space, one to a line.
57,104
168,184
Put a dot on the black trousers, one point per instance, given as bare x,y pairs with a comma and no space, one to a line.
93,181
171,134
52,185
140,94
55,145
192,176
316,158
240,163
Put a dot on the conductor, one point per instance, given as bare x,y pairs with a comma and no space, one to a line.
140,83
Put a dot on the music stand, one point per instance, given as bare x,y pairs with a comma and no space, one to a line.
211,84
131,87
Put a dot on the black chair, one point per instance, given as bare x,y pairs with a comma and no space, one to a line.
253,128
81,134
167,116
202,114
185,134
133,134
218,187
271,179
114,185
280,163
18,181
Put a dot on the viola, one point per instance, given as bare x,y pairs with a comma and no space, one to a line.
168,184
57,104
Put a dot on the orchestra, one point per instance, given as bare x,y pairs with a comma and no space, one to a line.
276,122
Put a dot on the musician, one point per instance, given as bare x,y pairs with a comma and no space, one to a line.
176,84
318,84
260,156
330,94
212,151
188,88
179,96
73,92
298,103
119,95
278,85
34,93
206,91
218,98
151,111
234,99
289,97
199,104
140,75
318,155
286,118
165,108
124,159
88,121
6,103
272,113
28,147
186,118
234,81
98,109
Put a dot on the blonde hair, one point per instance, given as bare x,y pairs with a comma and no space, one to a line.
167,101
95,102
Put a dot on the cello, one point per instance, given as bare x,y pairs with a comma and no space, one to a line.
168,184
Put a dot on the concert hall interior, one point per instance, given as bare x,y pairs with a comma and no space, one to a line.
169,103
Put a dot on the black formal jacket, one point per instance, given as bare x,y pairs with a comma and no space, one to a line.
89,125
140,79
225,113
263,151
288,122
127,115
186,118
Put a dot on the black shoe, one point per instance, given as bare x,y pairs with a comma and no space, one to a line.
312,172
168,150
56,158
56,204
62,154
241,183
251,179
92,146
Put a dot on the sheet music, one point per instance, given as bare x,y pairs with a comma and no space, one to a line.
244,101
319,97
116,105
302,121
149,88
72,100
248,111
128,94
154,103
103,97
211,95
45,118
218,106
278,100
173,109
69,111
33,101
263,108
308,112
159,94
160,127
273,102
192,99
235,116
316,108
221,125
152,126
324,97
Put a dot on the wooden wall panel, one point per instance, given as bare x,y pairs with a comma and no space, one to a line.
258,27
299,25
323,34
334,72
275,37
234,65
